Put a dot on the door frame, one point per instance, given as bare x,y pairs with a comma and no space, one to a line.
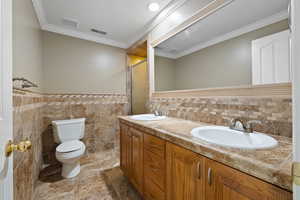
295,16
6,11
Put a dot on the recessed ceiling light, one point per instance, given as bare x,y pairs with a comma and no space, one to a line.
175,16
153,7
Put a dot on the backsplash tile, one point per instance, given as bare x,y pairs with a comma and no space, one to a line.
275,113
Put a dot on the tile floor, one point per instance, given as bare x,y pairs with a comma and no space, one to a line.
100,179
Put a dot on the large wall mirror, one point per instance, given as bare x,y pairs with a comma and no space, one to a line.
243,43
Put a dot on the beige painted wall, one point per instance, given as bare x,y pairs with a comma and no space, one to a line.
73,65
225,64
164,74
27,43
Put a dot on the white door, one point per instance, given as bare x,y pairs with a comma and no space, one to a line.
296,85
6,168
271,59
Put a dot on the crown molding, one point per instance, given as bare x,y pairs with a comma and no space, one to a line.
161,53
40,12
45,25
246,29
82,35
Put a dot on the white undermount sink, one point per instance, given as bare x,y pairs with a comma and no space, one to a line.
224,136
147,117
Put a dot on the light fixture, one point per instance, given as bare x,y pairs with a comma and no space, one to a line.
175,16
153,7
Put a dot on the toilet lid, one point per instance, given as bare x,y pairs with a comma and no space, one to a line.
69,146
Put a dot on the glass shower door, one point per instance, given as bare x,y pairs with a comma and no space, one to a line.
139,88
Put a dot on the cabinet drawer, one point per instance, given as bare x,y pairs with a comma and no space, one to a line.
154,144
152,191
154,168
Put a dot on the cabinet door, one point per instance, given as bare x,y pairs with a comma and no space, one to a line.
137,160
125,144
185,170
225,183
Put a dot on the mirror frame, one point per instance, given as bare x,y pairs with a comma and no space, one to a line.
278,89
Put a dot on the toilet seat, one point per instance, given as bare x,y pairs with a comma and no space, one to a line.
70,146
70,155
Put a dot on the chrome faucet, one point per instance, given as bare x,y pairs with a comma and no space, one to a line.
248,128
249,125
157,113
235,122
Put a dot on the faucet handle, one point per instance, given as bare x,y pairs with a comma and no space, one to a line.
158,113
237,122
249,125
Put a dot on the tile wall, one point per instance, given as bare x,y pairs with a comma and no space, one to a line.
33,114
27,124
275,113
100,111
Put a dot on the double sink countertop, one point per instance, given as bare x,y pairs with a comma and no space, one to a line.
271,165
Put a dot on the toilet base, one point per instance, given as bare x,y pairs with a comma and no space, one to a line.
70,170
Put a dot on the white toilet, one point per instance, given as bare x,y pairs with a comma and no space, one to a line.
68,133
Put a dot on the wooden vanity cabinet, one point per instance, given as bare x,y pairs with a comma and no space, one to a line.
143,162
154,168
125,147
225,183
191,176
185,169
137,159
161,170
131,146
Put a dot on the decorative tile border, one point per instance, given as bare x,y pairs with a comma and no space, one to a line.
85,99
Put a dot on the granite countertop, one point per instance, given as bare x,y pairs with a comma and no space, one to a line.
271,165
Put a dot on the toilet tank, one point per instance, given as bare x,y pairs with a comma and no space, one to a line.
67,130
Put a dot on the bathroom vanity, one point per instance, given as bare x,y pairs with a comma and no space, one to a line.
164,161
215,67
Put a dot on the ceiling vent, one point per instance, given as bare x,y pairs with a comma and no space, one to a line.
98,31
70,22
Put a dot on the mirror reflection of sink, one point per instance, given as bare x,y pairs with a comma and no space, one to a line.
224,136
147,117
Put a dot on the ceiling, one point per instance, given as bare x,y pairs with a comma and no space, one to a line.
237,18
124,20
